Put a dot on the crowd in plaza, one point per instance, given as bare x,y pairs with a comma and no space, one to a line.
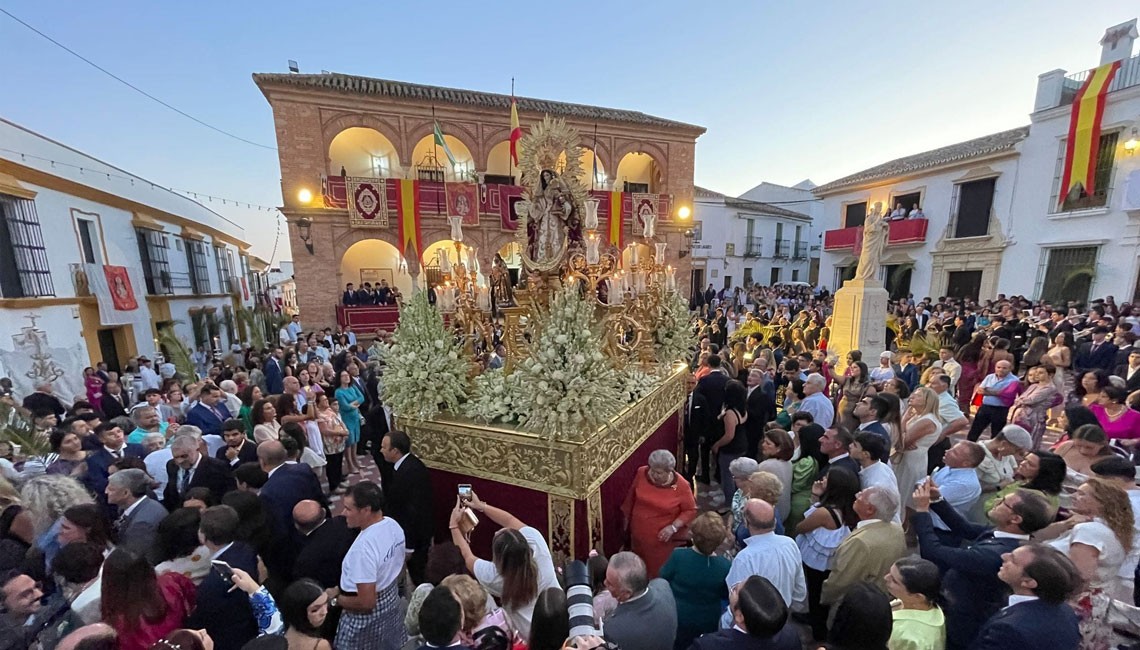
979,492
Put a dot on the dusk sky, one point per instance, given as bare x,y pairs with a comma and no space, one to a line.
787,91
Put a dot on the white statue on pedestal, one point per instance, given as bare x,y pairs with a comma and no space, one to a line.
876,230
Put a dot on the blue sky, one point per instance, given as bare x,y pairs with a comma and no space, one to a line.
787,90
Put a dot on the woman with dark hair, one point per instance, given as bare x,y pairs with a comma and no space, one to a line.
551,623
1061,354
198,498
1088,389
1088,445
824,527
304,607
254,527
85,523
793,395
855,386
805,469
264,419
777,449
1120,423
349,398
70,459
249,396
1031,408
185,639
975,360
1040,471
733,442
862,621
334,434
142,606
179,547
918,620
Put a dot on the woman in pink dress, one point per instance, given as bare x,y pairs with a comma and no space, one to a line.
1120,423
1031,408
94,385
974,359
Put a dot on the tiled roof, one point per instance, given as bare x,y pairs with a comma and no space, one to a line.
983,146
745,204
400,89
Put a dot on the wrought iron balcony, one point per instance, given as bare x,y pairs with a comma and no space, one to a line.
754,247
781,248
800,250
1127,76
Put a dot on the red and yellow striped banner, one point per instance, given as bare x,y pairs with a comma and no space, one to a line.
408,221
1084,133
614,229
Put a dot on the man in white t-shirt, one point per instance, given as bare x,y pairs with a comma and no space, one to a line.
514,543
870,450
369,591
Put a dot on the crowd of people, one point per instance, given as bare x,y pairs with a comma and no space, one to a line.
924,503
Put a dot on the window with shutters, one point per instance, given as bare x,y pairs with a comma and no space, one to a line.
24,270
196,261
153,247
854,214
1102,179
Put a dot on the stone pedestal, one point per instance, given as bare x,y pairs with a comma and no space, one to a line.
859,321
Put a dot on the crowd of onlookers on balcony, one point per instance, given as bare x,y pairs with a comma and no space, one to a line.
900,213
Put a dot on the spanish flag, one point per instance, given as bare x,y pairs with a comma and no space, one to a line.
516,131
408,216
1084,133
616,235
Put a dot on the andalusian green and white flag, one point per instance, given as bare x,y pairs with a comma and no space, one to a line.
442,143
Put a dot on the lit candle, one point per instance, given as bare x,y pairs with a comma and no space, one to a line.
217,343
156,345
633,254
617,291
591,221
659,254
670,278
592,254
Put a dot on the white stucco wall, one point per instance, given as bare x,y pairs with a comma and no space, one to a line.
721,225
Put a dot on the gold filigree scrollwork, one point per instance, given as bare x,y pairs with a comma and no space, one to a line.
560,524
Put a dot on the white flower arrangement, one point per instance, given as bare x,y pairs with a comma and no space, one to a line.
673,337
422,360
493,398
638,384
567,387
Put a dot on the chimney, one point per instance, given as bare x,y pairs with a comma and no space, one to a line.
1117,42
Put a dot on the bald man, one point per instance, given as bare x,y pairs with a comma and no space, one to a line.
325,541
998,391
767,554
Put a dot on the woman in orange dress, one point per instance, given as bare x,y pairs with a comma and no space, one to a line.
658,510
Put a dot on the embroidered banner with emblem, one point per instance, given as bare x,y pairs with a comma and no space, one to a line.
1078,178
463,201
408,215
643,205
367,202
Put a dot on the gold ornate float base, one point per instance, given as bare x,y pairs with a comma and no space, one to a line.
572,491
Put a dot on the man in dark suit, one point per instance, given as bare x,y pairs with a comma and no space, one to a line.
288,484
113,403
1097,354
43,399
210,412
409,497
274,374
870,411
711,389
1130,372
759,616
326,541
836,445
224,612
139,515
761,410
1038,615
970,583
348,298
114,447
238,448
190,468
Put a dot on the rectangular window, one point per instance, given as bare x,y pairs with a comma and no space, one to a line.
196,261
908,201
975,203
730,249
854,214
640,188
964,284
795,275
153,247
1069,274
223,269
24,270
747,276
1102,178
87,239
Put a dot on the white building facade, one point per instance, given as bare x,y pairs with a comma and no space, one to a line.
62,210
994,222
738,242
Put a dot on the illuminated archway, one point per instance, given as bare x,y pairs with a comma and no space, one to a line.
363,152
637,172
372,260
499,162
587,159
432,258
426,150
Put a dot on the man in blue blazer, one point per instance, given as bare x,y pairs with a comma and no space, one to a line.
970,584
759,617
1037,616
274,374
288,485
113,447
1097,354
221,610
210,413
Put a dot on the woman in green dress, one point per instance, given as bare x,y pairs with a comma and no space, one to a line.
918,621
249,396
805,470
696,575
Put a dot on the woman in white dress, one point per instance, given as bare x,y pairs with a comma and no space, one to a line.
920,430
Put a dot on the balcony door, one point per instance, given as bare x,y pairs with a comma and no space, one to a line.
975,203
963,284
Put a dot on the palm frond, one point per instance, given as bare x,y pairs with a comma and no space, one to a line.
176,352
17,428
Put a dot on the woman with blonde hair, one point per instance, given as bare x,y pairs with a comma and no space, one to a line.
46,497
473,600
15,522
920,430
1097,538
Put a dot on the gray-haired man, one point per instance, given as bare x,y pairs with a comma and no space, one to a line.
139,514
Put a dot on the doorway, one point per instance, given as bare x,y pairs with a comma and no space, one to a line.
696,281
963,284
109,350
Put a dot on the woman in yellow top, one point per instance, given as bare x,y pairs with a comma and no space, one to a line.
918,621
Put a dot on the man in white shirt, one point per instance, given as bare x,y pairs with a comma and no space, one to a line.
149,377
816,402
767,554
950,366
884,372
869,451
949,415
958,480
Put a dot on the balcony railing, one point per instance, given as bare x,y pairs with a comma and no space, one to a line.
754,247
1127,76
781,248
909,232
800,250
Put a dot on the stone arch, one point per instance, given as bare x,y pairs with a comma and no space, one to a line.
622,147
374,257
461,132
363,151
332,127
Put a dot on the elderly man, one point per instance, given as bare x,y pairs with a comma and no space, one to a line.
816,402
767,554
43,399
139,515
761,409
113,403
969,555
958,479
646,615
1038,615
229,393
156,461
146,421
869,551
998,391
190,468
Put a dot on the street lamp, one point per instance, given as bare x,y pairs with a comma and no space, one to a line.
305,230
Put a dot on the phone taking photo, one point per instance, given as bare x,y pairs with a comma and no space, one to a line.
224,569
465,491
